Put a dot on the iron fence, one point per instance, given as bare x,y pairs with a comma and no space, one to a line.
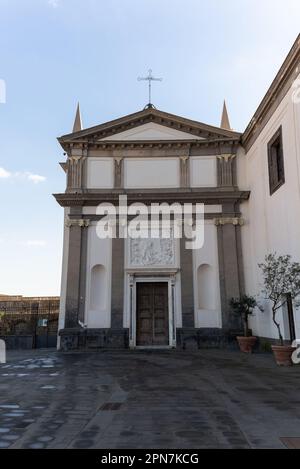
29,324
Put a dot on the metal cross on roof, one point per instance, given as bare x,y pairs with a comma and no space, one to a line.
149,78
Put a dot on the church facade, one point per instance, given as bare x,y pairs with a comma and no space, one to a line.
121,292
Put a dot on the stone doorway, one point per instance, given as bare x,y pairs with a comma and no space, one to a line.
152,314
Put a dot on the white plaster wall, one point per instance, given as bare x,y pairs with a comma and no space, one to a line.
208,254
100,173
272,223
151,173
98,252
203,171
152,131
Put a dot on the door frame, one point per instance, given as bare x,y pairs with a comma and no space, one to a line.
170,312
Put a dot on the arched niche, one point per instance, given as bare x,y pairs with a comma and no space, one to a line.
206,287
97,290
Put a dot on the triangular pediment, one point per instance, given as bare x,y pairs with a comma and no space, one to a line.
149,125
152,131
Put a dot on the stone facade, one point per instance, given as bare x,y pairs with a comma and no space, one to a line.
151,157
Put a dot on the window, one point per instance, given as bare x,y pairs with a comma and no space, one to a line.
276,163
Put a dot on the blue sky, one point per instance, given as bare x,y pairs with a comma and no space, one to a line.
57,52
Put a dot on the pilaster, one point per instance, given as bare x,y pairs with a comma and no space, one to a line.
75,292
226,170
75,169
187,285
118,172
184,171
117,284
230,271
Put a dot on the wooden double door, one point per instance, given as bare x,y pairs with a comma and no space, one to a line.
152,314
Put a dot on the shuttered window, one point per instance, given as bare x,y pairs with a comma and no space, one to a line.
276,162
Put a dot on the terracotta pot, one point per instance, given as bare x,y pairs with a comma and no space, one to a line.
246,343
283,354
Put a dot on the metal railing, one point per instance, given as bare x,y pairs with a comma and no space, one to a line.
36,318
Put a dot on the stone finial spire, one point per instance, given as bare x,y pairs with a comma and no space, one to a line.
225,124
77,122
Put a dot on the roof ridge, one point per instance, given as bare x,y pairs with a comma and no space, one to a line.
145,113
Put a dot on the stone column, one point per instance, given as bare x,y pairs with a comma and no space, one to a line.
117,284
187,285
230,267
76,272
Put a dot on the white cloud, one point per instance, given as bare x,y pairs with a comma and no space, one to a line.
4,173
53,3
2,91
35,243
35,178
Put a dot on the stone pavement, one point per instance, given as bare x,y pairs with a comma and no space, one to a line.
147,399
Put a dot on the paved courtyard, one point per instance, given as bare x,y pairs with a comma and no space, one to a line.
141,399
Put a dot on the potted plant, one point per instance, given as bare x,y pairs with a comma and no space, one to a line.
244,306
281,276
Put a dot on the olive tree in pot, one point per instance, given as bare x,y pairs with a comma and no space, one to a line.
280,276
244,307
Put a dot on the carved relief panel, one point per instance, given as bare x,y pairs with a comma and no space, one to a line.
149,252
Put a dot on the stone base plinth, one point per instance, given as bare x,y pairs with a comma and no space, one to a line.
204,338
91,339
186,338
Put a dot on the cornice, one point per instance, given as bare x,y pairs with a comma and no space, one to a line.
152,144
288,72
209,196
63,165
108,129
